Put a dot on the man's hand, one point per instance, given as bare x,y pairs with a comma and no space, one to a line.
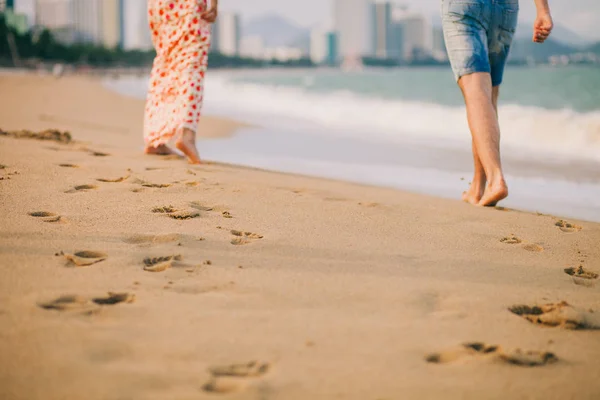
210,15
542,27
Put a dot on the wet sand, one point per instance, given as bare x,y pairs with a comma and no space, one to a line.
127,276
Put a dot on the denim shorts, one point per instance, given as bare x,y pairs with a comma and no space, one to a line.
478,35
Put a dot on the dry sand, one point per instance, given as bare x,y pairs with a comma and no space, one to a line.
344,291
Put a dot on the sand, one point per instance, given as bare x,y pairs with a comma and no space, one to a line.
234,283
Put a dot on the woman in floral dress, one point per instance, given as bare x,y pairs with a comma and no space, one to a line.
181,36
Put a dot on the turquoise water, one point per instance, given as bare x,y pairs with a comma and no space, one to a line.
576,88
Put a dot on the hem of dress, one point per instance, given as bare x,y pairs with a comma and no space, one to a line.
166,138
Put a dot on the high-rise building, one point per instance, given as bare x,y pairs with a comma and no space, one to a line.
87,21
318,46
112,23
57,16
136,32
26,8
353,21
381,12
414,29
226,34
6,5
251,47
332,48
439,45
324,47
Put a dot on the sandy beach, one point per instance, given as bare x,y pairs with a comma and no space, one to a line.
235,283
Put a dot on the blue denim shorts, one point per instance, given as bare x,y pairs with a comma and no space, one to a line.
478,35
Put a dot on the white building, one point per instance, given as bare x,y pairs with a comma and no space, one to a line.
27,8
252,47
57,16
112,22
87,21
416,38
226,34
353,23
318,46
136,32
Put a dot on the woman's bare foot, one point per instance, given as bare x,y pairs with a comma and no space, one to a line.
160,150
475,192
187,144
494,192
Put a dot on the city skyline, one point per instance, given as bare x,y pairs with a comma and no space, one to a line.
579,16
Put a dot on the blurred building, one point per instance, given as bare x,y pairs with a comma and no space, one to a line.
353,23
381,12
318,46
25,8
112,23
6,5
135,27
323,47
87,21
226,34
414,32
438,50
251,47
56,16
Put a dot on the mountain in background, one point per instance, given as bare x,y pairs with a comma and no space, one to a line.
525,31
594,48
524,48
276,31
559,34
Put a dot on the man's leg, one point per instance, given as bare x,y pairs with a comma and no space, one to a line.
483,123
477,187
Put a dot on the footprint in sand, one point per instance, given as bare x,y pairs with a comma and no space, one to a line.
560,314
155,239
115,180
164,210
567,226
226,214
482,351
85,304
82,188
512,239
235,377
84,258
46,216
200,207
185,215
68,165
156,185
582,276
244,237
98,153
48,134
160,264
534,247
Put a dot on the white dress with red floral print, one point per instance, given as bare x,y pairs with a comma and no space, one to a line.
176,89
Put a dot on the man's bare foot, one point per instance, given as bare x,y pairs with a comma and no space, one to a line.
493,194
160,150
187,144
475,192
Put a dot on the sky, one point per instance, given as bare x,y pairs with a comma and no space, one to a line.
580,16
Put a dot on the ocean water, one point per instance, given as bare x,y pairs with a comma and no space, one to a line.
406,128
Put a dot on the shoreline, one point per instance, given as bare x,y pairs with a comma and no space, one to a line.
335,290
